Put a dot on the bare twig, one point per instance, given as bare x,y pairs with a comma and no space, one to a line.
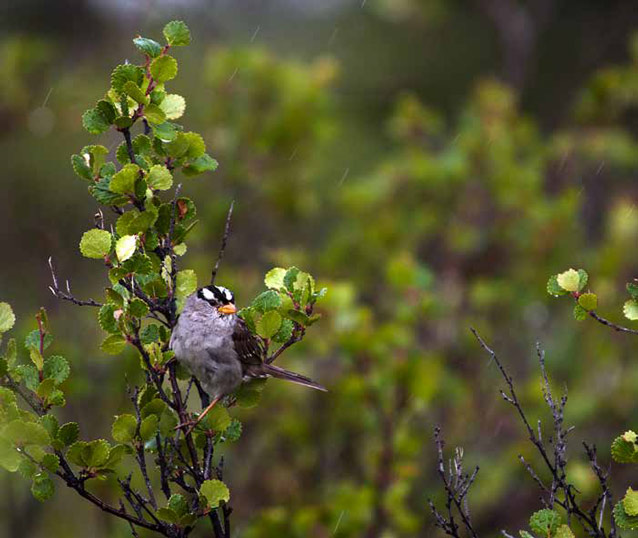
222,248
67,296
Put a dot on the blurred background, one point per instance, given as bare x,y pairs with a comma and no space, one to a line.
432,162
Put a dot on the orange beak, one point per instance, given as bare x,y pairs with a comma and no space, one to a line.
227,309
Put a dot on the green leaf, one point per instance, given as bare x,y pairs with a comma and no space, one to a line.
553,288
268,300
124,428
23,433
623,519
33,340
154,114
56,368
624,450
165,132
45,389
95,243
269,324
42,487
149,334
173,106
569,280
68,433
50,424
102,193
284,332
582,279
99,451
113,344
177,503
630,309
632,288
94,121
81,168
7,317
107,110
275,278
125,247
159,177
124,73
290,278
630,502
217,419
106,319
10,458
589,301
202,164
168,515
186,283
124,181
215,492
545,522
29,375
164,68
148,428
11,352
196,145
249,394
233,432
148,46
50,462
135,92
580,313
138,308
177,34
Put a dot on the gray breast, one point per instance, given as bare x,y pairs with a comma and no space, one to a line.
204,344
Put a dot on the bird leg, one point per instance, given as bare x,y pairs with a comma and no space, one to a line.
194,423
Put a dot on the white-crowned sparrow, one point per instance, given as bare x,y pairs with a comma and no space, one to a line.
218,348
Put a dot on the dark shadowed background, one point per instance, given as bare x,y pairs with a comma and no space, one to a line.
432,162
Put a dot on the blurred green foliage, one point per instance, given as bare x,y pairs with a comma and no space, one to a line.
422,221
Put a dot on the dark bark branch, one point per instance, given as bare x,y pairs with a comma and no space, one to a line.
222,248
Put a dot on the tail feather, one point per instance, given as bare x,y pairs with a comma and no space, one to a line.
279,373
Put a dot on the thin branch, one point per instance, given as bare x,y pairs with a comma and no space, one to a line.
612,325
222,249
67,296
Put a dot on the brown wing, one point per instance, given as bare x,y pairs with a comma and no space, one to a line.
249,347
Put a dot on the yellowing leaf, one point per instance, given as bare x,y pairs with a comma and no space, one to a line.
125,247
630,309
569,280
7,317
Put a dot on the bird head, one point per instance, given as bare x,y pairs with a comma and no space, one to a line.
219,298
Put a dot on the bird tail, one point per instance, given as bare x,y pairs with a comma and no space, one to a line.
280,373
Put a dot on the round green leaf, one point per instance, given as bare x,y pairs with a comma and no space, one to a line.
177,34
42,487
124,181
164,68
95,243
269,324
630,502
113,344
7,317
154,114
275,278
215,492
589,301
159,177
124,427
